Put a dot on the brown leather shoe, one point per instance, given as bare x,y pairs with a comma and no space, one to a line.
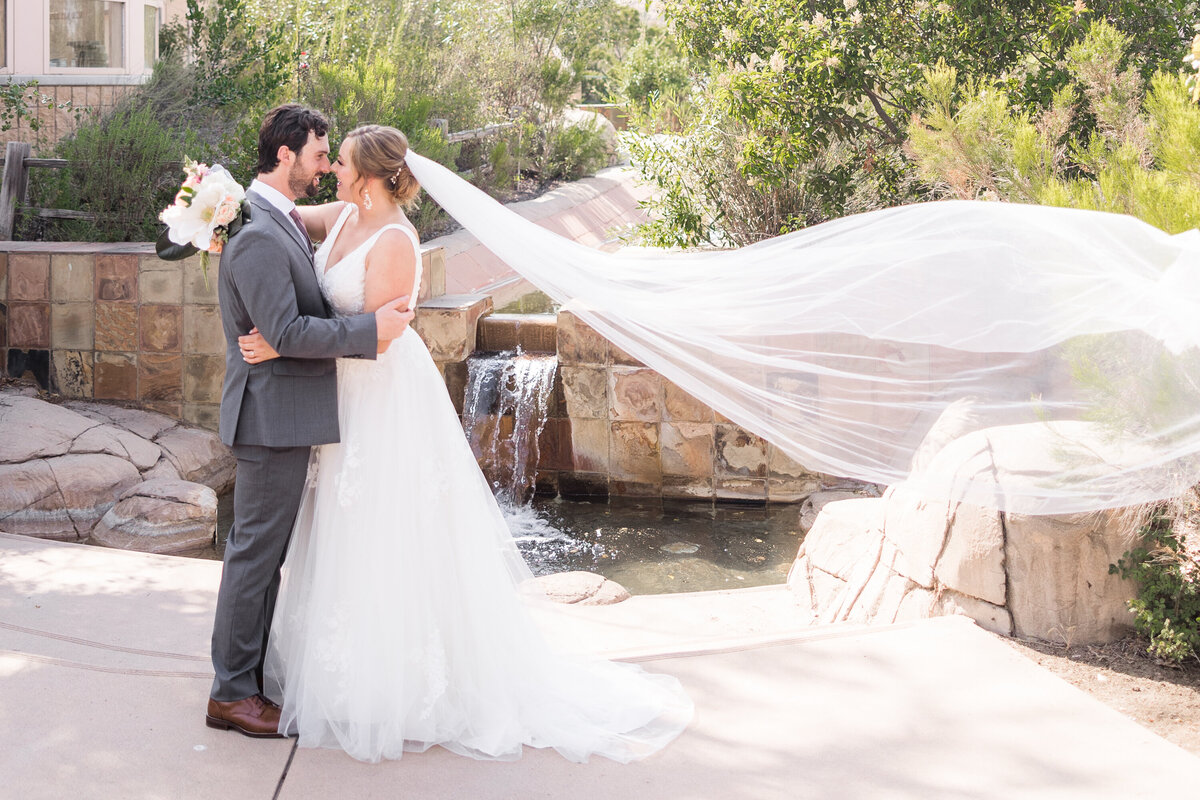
251,717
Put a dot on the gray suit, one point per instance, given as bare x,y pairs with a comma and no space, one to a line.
271,414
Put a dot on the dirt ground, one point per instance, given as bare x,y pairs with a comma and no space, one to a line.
1121,675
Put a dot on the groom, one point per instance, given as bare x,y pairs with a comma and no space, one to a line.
273,412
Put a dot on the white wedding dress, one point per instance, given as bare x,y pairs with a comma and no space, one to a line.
401,622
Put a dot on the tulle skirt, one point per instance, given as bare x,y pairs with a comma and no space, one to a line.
402,620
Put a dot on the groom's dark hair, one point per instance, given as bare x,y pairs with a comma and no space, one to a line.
287,125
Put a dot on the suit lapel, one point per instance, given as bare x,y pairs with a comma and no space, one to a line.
283,221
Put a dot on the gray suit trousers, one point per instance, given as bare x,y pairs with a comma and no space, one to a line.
266,498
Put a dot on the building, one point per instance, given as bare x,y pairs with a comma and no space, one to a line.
83,54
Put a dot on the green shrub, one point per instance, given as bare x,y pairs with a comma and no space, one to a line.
1139,155
126,177
1167,571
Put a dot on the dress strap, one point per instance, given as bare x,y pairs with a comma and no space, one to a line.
341,220
412,237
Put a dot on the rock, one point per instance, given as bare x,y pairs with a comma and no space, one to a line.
163,468
580,588
199,456
816,501
160,516
62,497
33,428
118,442
905,556
146,424
592,120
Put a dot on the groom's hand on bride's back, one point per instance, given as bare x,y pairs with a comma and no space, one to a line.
392,318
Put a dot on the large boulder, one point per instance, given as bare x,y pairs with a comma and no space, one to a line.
62,467
62,497
160,516
913,554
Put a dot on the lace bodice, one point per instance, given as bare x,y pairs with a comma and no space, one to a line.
344,284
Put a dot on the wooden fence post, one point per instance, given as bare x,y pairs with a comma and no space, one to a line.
12,190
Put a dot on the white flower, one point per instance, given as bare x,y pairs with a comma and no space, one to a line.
777,62
850,4
819,21
856,18
215,202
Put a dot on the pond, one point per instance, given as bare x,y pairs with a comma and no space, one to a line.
648,546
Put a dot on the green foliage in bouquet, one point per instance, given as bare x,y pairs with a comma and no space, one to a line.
1140,154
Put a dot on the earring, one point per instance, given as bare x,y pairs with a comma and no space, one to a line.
367,199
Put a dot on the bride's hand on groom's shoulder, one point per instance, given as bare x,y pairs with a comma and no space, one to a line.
255,348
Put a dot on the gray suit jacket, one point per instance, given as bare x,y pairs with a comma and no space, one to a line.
267,280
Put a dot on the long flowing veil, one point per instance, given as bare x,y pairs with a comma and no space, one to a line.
1034,359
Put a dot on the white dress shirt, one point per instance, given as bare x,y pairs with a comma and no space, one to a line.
275,198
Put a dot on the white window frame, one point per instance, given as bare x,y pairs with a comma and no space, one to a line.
123,69
162,14
7,67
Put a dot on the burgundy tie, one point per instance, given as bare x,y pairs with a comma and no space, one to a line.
295,215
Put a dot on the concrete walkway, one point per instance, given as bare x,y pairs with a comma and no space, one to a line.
104,673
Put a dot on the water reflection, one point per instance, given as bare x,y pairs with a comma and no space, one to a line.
648,546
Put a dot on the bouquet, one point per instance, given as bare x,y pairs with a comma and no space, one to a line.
208,209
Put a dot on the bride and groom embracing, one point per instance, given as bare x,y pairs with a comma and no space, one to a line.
371,597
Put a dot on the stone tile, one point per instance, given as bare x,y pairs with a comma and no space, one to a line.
433,274
583,484
164,407
455,375
206,415
72,326
3,277
72,372
545,483
679,406
685,488
740,489
72,278
634,452
202,332
116,327
782,466
202,378
589,445
578,343
792,490
739,453
618,356
28,277
116,376
33,363
688,449
448,325
624,488
160,378
160,328
29,325
585,389
195,290
554,445
160,281
117,278
635,394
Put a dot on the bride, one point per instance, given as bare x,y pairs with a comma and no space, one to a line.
401,621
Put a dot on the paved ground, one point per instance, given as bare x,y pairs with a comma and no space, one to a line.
104,673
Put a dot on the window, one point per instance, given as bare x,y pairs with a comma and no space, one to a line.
87,34
153,22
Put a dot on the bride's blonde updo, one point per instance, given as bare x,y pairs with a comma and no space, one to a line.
379,152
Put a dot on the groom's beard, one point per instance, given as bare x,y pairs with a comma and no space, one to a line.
303,185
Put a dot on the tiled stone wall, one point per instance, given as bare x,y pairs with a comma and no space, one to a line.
615,426
632,432
115,322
